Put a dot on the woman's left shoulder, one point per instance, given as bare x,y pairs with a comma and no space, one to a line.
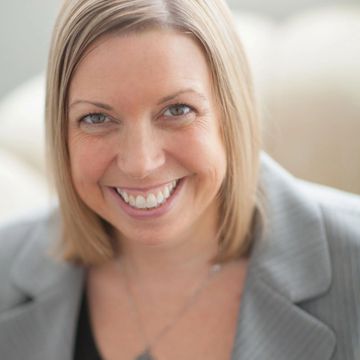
339,306
340,212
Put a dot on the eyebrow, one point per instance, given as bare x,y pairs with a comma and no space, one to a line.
96,103
161,101
180,92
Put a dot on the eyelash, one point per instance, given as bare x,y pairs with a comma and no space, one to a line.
179,105
82,120
89,115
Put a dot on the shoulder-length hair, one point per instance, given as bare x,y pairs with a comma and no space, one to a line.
86,238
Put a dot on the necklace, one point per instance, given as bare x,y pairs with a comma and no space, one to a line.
146,354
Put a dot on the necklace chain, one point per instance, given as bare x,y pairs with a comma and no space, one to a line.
146,354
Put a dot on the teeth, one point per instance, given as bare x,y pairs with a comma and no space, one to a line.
160,198
171,186
132,201
166,192
151,200
125,196
140,202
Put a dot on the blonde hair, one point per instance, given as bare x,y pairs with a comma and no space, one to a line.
86,238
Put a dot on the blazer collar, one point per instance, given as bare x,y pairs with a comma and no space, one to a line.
289,265
292,255
43,324
36,259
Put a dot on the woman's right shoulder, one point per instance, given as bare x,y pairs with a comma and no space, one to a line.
17,233
24,245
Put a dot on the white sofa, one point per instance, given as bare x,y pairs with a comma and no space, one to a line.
307,77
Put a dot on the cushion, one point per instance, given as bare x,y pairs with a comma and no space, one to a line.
22,122
22,188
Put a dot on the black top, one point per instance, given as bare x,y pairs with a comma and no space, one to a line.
85,347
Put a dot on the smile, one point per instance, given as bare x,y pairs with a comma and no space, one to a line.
149,200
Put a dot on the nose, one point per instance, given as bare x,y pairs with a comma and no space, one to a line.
141,152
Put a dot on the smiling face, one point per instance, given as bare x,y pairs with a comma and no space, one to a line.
144,137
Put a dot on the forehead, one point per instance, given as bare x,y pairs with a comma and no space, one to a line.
139,62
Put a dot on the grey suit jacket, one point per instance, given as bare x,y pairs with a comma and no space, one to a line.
301,299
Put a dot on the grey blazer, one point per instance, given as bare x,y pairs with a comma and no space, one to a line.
301,299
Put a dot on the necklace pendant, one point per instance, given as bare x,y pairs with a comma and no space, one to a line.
146,355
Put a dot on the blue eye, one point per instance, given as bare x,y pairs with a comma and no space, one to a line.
178,110
95,119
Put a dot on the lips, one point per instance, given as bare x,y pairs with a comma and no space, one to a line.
150,199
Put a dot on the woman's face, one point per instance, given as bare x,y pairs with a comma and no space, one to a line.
144,140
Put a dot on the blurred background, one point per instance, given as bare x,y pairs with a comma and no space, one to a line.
25,29
305,59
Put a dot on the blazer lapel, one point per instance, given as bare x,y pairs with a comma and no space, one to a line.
272,327
43,324
289,265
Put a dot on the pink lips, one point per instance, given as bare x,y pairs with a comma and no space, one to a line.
142,214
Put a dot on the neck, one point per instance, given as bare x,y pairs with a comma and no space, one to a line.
162,265
175,261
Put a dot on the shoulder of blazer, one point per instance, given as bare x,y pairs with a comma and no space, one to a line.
36,292
340,214
339,307
313,229
15,237
299,302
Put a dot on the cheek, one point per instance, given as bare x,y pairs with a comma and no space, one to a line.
204,154
88,158
214,160
216,164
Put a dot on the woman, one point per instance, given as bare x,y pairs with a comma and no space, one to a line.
165,247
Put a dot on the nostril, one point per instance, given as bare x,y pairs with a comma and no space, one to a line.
138,170
138,164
